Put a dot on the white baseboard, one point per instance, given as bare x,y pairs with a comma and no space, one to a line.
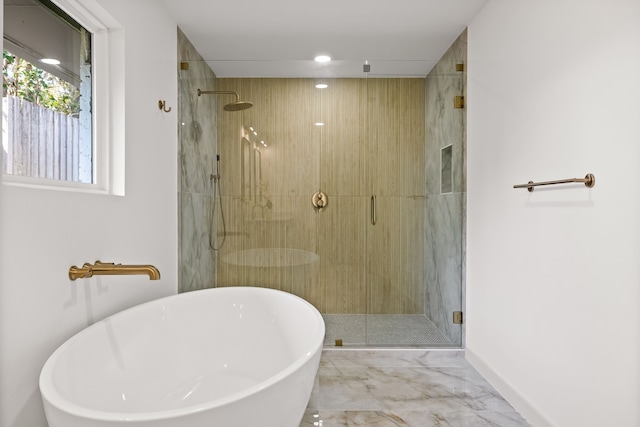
520,403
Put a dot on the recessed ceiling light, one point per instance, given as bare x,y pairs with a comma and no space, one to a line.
50,61
319,124
322,86
322,58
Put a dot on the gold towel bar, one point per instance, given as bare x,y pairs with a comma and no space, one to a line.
589,181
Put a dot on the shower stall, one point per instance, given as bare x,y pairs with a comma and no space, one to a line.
350,196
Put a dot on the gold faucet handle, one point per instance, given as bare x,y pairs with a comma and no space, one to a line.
319,200
80,272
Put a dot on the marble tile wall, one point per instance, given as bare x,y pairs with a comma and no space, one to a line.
445,225
197,149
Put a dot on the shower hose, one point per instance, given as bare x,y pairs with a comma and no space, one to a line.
217,198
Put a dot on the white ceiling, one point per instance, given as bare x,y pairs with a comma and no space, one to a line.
280,38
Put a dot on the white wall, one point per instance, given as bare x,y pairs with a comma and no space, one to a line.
553,285
44,232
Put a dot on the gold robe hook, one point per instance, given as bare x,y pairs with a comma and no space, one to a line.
163,106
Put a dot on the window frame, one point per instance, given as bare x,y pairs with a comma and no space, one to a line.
107,104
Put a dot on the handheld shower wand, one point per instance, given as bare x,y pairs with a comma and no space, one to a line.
217,194
216,177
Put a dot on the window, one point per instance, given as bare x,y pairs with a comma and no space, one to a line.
47,94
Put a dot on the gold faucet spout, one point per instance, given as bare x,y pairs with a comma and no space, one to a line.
112,269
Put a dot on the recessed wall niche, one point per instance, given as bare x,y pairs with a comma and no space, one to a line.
446,178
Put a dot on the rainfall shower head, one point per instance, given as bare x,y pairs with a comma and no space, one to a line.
233,106
238,106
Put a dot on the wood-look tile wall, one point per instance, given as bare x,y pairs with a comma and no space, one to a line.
373,143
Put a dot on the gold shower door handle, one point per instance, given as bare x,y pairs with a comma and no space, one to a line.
319,200
374,216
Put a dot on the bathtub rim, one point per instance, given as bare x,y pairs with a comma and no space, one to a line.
52,397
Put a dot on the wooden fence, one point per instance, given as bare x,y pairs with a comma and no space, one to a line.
43,143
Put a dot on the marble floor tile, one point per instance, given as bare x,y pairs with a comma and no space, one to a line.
411,419
404,388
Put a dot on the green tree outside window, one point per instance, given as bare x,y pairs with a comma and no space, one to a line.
26,81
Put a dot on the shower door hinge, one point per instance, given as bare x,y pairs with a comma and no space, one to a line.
457,318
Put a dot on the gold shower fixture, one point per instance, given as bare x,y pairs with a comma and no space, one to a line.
233,106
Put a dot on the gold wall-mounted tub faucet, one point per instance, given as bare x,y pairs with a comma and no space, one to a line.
111,269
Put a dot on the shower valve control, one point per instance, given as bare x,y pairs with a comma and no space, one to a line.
319,200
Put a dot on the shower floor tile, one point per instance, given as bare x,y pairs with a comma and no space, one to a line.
411,388
382,330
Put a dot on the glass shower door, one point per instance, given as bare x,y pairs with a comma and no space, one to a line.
395,132
376,253
382,258
415,138
414,239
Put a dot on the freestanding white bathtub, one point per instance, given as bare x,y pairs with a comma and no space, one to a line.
224,357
